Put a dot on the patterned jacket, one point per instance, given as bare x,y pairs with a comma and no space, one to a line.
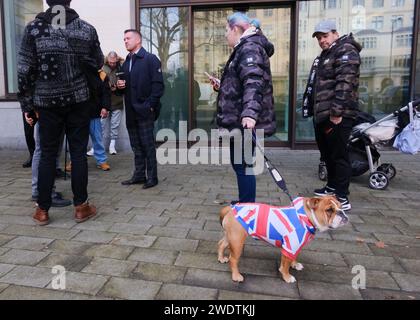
49,62
287,228
334,81
246,88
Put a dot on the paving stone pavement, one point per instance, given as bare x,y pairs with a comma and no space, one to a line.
161,243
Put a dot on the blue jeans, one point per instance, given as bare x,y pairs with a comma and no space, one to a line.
247,183
95,131
37,157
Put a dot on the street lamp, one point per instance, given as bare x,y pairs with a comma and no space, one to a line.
393,20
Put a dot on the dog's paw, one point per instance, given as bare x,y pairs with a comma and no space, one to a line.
237,278
223,260
290,279
297,266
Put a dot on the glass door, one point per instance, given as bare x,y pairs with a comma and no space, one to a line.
211,52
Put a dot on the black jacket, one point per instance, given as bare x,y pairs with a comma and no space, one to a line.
49,61
102,100
144,85
246,88
333,82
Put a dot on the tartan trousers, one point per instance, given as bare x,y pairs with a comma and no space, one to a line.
142,141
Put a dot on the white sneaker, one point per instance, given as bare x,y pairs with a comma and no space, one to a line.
90,153
112,147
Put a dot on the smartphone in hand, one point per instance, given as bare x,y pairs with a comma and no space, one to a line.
213,79
120,75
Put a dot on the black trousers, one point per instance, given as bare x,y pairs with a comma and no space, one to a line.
29,136
332,142
142,141
75,121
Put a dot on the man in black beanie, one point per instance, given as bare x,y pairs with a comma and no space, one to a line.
53,87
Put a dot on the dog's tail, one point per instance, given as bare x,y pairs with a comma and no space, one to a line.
223,213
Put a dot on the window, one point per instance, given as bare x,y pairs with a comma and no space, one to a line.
17,14
303,25
226,50
368,62
302,44
364,83
397,22
332,4
397,3
169,42
268,12
358,3
369,42
359,22
402,61
405,40
378,22
378,3
252,14
303,6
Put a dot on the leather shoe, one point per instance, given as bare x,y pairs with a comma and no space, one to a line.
28,163
150,184
41,217
84,212
133,181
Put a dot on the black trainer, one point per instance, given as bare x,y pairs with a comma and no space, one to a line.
326,191
345,203
57,200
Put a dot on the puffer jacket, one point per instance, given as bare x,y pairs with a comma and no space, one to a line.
51,60
246,88
334,81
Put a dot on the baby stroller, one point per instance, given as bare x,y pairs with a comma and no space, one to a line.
363,147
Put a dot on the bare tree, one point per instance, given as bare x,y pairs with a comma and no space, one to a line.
163,26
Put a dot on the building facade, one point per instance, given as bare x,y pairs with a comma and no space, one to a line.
188,38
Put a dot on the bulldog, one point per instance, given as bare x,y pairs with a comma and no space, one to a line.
289,228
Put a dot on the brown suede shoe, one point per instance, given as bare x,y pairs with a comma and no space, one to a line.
41,217
84,212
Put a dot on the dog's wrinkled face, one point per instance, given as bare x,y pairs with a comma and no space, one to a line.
327,212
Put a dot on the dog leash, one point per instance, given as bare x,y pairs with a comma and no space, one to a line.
275,174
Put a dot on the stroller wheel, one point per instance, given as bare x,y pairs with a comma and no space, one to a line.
388,169
378,180
322,171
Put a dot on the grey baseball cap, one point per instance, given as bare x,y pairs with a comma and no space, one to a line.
324,26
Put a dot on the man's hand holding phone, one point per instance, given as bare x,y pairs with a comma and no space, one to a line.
120,80
213,81
121,84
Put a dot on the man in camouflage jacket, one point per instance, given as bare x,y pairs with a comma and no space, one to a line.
331,97
246,93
